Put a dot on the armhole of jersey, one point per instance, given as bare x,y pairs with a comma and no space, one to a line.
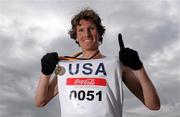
121,75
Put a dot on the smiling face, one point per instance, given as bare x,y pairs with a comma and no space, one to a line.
87,35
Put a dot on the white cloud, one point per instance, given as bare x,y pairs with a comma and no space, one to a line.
166,111
166,55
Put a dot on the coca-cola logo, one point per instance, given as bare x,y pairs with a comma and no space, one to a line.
86,81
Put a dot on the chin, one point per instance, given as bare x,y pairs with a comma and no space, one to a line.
89,47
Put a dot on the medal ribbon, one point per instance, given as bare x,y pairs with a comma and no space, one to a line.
59,70
76,57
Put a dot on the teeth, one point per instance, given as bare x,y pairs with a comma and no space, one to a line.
88,40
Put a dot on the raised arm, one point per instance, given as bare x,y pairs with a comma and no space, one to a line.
136,78
138,82
47,87
46,90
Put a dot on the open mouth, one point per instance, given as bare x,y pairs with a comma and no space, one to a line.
88,40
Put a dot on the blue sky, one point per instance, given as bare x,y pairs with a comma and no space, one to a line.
29,29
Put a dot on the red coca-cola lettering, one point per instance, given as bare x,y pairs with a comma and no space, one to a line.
86,81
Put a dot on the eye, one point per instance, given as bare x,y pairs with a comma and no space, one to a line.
80,30
92,28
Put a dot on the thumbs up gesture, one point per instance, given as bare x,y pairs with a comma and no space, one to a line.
129,57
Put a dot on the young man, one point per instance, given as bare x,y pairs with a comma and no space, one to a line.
91,86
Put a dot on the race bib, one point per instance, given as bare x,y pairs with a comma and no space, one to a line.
85,87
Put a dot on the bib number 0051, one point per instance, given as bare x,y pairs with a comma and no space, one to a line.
88,95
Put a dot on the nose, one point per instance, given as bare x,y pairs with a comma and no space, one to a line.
88,33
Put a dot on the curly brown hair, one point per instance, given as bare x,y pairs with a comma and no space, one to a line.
87,14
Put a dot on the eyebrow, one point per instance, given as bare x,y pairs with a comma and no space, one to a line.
90,25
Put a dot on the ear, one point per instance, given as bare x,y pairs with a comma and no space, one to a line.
100,43
77,40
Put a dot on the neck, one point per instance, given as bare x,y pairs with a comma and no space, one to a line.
89,53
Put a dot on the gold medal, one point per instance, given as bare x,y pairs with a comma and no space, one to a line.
59,70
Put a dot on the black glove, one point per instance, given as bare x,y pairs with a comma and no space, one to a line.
48,63
129,57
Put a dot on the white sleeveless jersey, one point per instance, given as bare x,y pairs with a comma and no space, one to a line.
91,88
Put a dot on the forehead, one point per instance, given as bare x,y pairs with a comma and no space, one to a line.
84,22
